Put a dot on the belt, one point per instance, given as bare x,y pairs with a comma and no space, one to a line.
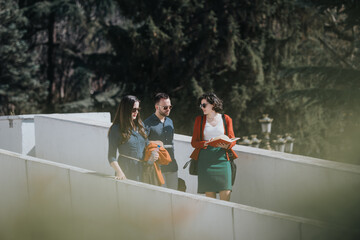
132,158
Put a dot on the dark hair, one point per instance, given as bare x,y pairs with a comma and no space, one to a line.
214,100
124,119
160,96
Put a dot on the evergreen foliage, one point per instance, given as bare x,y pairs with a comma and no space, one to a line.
62,34
297,60
188,47
20,91
329,66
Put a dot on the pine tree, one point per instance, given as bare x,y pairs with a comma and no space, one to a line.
20,91
234,48
288,58
189,47
62,34
328,64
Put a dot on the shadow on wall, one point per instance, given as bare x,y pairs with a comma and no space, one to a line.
32,152
339,206
48,216
51,216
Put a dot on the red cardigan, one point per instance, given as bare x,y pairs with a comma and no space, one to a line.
198,145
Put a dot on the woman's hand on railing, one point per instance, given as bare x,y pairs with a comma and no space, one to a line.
120,175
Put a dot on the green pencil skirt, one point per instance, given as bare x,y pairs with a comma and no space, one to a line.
214,171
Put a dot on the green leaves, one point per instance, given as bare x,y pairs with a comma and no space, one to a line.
297,60
19,89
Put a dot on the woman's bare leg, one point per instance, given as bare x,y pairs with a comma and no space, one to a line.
210,194
225,195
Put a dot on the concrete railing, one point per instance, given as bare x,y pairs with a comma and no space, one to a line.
287,183
74,141
17,133
298,185
84,143
53,200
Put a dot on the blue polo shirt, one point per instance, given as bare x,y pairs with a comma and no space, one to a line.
163,131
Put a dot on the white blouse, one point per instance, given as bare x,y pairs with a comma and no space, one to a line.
214,131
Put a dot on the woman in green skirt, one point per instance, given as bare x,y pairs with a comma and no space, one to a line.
214,171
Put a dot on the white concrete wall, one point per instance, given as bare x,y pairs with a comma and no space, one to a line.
17,133
297,185
57,201
183,150
11,134
75,141
84,143
28,137
287,183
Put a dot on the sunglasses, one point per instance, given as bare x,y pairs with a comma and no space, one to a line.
166,107
135,109
203,105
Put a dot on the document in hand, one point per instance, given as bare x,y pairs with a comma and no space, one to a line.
221,139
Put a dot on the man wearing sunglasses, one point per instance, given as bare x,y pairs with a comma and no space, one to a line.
160,128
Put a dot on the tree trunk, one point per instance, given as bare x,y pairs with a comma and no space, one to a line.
50,58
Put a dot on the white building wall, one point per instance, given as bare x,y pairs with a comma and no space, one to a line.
17,133
13,189
297,185
288,183
11,133
54,200
84,143
28,137
76,141
183,150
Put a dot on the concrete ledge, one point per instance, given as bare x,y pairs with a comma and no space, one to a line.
13,117
83,120
104,116
73,140
244,152
296,185
18,131
87,205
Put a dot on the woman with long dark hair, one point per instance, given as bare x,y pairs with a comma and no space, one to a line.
214,171
127,135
